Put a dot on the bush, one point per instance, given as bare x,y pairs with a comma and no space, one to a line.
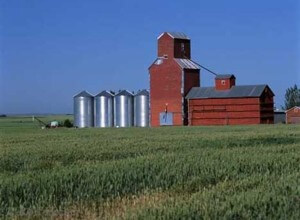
68,123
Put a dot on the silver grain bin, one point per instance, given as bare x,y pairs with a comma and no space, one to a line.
83,110
104,109
123,111
141,109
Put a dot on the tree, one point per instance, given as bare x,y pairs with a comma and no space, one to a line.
292,97
67,123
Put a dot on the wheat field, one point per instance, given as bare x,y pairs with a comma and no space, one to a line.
229,172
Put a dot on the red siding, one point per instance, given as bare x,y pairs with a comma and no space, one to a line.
228,83
168,79
267,108
165,87
165,46
293,115
229,111
191,79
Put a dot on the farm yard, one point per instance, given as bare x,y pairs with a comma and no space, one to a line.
231,172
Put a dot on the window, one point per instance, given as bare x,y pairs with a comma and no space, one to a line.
182,47
223,82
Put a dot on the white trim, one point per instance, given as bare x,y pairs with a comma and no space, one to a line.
162,35
165,33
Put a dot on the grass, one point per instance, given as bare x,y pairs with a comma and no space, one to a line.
231,172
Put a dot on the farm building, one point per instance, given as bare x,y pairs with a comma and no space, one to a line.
279,117
228,104
172,75
176,97
293,115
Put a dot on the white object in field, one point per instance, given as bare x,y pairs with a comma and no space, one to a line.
33,118
54,124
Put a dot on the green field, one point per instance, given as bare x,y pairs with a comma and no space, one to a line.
230,172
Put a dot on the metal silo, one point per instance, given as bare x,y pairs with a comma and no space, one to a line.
141,109
83,110
123,112
104,109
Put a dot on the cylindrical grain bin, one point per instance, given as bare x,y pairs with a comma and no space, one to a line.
141,109
123,109
104,109
83,110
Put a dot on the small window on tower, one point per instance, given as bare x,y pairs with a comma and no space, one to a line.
223,82
182,47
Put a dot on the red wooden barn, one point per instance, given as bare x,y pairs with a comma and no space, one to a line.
177,99
228,104
293,115
172,75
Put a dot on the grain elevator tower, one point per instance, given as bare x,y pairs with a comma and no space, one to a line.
172,75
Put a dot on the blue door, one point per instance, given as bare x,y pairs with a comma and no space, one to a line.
166,118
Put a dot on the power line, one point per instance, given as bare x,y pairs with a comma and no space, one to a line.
208,70
203,67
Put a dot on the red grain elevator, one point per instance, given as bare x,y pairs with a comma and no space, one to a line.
172,75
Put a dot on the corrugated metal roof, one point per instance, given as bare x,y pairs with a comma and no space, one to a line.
124,92
187,64
83,94
176,35
234,92
224,76
142,92
105,93
179,35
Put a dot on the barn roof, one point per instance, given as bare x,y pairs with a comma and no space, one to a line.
175,35
295,107
225,76
183,63
233,92
187,64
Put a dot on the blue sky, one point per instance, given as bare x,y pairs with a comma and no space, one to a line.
50,50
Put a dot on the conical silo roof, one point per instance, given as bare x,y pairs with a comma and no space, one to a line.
142,92
105,93
83,94
124,92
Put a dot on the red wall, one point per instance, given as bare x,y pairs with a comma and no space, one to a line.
168,79
228,83
172,47
165,46
165,87
267,108
191,79
293,116
229,111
